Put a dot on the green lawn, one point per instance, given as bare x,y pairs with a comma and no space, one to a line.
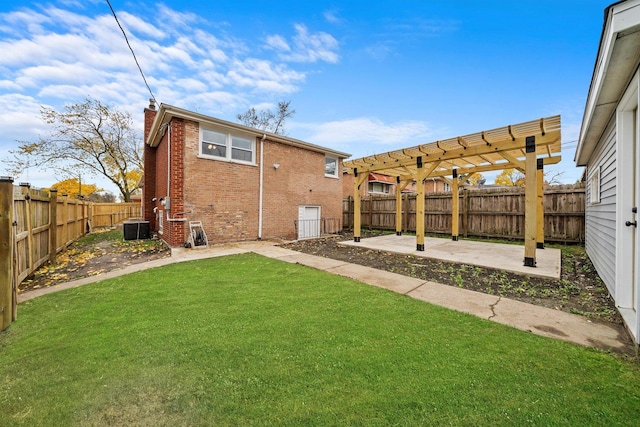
246,340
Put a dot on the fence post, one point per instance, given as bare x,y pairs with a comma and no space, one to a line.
6,252
53,225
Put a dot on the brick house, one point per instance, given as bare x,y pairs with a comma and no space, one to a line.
382,185
241,183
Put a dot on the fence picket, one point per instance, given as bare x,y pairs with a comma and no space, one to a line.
497,213
44,224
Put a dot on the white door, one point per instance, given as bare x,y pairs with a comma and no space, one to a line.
628,189
308,222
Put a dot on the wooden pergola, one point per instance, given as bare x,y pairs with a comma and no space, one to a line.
525,146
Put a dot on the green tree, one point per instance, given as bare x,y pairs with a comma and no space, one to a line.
267,119
89,138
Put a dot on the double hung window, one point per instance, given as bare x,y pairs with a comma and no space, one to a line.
226,146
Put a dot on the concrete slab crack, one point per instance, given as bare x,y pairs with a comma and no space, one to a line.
493,308
419,286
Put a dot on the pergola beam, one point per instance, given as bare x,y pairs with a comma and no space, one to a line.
368,164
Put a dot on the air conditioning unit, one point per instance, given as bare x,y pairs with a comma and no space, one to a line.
136,230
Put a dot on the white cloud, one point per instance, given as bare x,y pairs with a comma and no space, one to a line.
20,118
332,16
261,74
364,136
307,47
63,53
278,42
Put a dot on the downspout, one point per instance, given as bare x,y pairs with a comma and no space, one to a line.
264,136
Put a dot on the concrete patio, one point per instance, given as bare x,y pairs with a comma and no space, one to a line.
483,254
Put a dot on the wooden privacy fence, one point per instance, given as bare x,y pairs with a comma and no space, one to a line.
36,225
495,213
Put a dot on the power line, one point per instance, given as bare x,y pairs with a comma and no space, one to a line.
132,52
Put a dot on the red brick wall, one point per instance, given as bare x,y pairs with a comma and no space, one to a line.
173,228
299,180
225,195
149,158
222,195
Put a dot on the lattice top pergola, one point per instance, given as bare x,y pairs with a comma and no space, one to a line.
496,149
524,146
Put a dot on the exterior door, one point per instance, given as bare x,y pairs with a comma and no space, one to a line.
308,222
628,193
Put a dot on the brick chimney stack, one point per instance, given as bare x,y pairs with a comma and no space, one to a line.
149,158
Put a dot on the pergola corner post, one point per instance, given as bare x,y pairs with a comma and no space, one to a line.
455,206
357,205
540,204
530,202
398,207
420,212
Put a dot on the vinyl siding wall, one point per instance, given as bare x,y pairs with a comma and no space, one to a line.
600,218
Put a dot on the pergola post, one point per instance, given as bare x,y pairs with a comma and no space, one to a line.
400,186
540,204
420,208
398,207
530,202
357,205
455,206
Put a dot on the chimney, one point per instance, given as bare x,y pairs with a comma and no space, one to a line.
149,116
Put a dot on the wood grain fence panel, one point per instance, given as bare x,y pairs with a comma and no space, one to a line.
32,213
486,213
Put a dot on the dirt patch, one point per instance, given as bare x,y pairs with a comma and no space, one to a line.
579,289
95,254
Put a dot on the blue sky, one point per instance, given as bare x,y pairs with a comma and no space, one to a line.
363,77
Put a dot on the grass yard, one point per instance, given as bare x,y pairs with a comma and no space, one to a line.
246,340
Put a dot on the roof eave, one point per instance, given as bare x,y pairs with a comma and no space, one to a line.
615,66
167,112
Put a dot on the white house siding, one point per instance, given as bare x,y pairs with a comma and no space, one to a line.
600,218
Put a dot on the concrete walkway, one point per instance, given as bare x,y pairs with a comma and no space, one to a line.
538,320
483,254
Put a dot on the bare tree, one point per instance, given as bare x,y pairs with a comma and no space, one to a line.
87,137
267,119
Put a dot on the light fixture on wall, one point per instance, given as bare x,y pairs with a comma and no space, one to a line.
276,165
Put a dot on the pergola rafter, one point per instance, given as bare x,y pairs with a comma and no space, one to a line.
524,146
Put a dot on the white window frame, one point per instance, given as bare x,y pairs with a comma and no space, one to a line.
335,173
386,187
595,189
228,144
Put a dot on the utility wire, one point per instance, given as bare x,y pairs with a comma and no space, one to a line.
131,49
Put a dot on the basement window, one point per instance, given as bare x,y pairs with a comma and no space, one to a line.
225,146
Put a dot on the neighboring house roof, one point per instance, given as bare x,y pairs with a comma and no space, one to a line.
616,62
167,112
376,177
